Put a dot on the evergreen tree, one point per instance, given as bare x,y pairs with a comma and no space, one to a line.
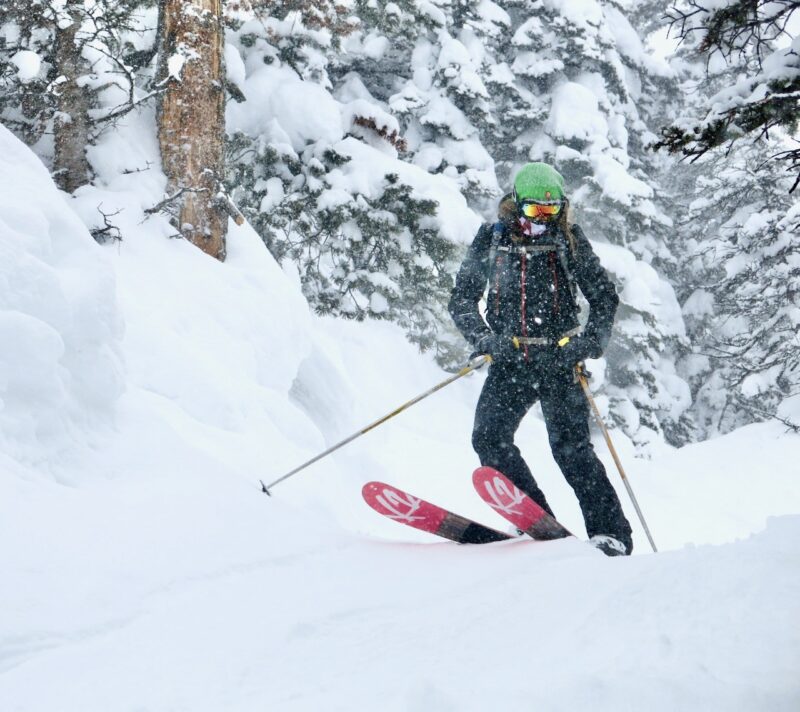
739,255
56,60
371,251
424,74
763,95
741,300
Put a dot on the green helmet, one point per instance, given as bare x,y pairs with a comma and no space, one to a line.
539,182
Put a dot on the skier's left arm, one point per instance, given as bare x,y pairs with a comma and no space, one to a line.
599,291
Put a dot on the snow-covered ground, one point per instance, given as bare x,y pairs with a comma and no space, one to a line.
144,391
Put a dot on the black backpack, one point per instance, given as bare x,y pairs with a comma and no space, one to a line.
500,231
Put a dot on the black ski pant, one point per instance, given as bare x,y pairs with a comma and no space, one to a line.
511,388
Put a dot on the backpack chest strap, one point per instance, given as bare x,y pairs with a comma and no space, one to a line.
499,232
528,249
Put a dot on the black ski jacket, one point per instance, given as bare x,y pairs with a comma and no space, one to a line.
531,286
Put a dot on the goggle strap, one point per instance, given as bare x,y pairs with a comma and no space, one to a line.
541,202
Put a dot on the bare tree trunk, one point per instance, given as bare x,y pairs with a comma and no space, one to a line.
71,124
191,117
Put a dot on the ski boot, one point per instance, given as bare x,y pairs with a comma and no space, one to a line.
609,545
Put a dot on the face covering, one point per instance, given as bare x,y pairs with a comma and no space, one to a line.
530,228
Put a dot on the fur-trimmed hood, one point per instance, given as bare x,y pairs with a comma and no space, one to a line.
507,210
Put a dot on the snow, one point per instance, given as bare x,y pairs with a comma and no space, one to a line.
531,64
57,308
574,113
145,389
282,118
305,111
630,44
235,71
366,171
372,45
175,65
444,115
616,182
492,13
777,68
174,584
28,65
433,12
364,109
699,304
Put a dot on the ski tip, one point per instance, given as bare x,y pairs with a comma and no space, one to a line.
484,473
264,489
372,488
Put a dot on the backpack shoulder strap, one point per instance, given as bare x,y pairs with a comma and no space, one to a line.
562,258
498,231
564,252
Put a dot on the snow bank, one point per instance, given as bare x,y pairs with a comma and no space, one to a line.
211,351
60,327
356,626
212,348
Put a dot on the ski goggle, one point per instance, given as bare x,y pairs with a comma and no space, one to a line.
539,210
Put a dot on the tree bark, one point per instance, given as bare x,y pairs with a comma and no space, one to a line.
191,118
71,124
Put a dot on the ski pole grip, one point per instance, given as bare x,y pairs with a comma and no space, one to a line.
478,362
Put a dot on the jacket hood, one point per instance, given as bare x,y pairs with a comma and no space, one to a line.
507,210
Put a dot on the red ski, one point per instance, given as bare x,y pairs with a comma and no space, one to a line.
502,495
415,512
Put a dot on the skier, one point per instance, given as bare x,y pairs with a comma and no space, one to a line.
532,260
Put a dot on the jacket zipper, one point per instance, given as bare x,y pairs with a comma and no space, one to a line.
523,271
497,263
554,272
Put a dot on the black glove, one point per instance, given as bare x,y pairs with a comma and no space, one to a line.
577,349
500,348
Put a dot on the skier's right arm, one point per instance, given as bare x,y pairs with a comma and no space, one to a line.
470,285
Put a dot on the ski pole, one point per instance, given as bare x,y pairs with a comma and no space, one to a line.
473,365
599,418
